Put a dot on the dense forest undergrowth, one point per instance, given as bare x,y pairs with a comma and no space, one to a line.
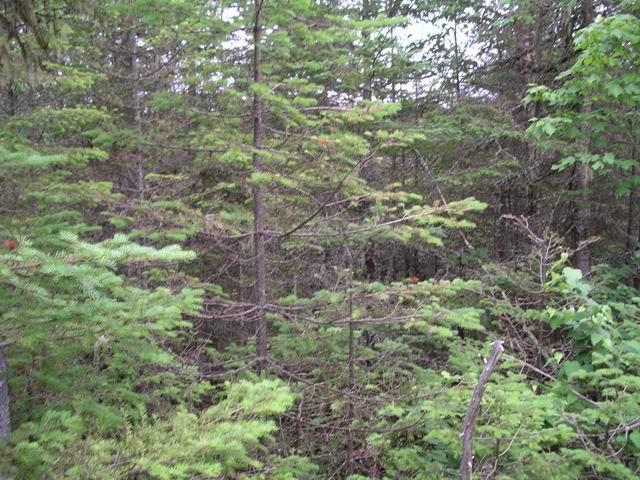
283,239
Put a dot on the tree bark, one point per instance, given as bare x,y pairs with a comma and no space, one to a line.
367,91
633,220
135,102
5,417
466,464
350,360
582,219
633,224
456,57
258,202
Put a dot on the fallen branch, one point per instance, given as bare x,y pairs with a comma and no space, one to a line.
466,464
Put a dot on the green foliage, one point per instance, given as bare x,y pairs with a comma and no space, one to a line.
387,160
217,442
598,95
87,349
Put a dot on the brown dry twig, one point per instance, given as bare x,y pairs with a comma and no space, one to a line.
466,464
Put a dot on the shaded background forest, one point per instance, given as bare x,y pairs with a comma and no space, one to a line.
275,239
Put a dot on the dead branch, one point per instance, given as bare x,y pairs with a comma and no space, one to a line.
466,464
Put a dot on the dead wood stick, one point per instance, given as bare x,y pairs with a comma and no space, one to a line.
466,464
5,418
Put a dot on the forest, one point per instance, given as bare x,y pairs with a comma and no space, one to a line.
319,239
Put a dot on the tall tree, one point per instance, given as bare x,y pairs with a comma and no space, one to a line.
258,206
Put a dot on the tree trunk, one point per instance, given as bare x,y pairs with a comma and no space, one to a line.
633,223
349,461
633,220
5,418
456,58
582,219
13,101
367,91
258,202
350,360
135,102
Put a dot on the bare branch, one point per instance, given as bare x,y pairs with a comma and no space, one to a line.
466,464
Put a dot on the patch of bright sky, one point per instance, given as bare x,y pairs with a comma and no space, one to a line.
413,33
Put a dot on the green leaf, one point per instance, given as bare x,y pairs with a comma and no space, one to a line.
573,276
573,369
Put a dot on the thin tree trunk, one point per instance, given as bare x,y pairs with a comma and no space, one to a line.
456,57
13,101
367,91
350,360
5,417
633,223
466,464
258,202
135,97
633,219
582,220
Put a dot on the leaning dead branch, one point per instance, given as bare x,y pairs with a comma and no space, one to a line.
466,464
